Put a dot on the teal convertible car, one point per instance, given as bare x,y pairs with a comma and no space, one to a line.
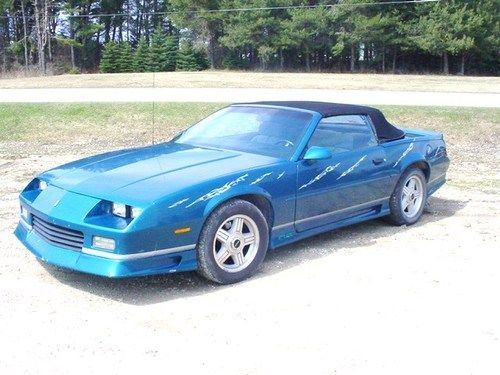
249,178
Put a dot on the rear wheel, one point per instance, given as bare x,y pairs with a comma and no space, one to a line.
233,242
408,199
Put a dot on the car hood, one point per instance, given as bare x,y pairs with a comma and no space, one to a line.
149,173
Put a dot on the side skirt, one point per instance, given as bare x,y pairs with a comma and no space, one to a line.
297,236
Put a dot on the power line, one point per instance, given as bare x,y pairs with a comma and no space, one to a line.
289,7
234,10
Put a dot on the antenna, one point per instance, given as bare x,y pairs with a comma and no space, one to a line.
153,133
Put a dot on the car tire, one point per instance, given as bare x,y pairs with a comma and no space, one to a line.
408,200
226,251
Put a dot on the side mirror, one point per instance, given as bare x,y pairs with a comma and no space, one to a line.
317,153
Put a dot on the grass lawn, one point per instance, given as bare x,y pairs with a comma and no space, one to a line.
97,125
472,134
264,80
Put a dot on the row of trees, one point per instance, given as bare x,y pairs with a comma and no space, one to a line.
460,36
162,55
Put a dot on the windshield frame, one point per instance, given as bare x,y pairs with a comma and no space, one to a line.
302,139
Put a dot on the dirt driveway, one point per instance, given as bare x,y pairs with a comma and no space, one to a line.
367,299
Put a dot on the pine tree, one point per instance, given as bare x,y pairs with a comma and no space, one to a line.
109,60
449,28
232,60
201,59
141,56
186,59
172,47
125,58
158,52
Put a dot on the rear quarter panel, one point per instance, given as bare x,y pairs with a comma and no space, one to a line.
418,146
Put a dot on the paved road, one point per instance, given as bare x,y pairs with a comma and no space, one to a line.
373,97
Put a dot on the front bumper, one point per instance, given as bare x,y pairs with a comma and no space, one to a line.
109,265
58,228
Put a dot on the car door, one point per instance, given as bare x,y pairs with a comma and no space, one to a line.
354,181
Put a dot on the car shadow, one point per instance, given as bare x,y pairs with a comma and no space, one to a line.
161,288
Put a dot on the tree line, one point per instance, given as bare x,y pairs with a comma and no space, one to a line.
449,36
163,54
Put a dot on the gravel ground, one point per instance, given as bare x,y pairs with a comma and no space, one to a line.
371,298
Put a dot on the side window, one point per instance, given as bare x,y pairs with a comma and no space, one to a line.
344,133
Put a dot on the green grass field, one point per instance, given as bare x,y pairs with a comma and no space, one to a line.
217,78
472,134
127,122
111,124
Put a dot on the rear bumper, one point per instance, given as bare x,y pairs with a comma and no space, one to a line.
99,263
435,184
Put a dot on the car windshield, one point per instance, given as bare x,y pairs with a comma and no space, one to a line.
259,130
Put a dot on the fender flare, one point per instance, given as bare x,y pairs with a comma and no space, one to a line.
237,191
419,160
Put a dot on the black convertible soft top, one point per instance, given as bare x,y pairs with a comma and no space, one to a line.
385,130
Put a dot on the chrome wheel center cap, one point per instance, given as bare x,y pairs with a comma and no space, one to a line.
236,244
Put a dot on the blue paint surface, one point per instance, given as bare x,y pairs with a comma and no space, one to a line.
178,185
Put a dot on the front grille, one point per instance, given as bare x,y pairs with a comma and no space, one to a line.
57,235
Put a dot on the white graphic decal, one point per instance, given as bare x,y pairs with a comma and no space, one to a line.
440,152
259,179
327,170
178,203
220,190
281,175
345,173
410,147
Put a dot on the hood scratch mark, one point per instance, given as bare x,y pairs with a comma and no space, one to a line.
178,203
405,152
281,175
351,168
327,170
259,179
220,190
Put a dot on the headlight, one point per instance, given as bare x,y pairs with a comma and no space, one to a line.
125,211
119,209
134,212
42,185
24,213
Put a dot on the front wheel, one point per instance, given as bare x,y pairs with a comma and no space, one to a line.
233,242
408,199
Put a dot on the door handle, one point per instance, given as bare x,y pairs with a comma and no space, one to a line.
378,161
